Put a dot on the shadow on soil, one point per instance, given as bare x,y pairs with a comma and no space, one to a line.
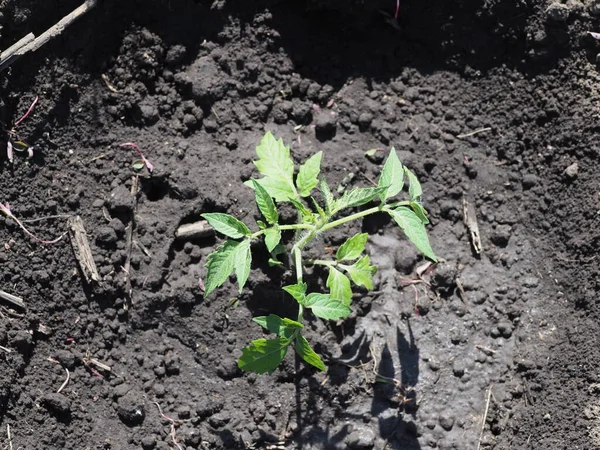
389,393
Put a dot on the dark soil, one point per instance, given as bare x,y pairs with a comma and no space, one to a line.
487,101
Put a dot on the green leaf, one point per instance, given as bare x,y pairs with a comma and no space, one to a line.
20,146
261,224
420,212
301,208
263,355
241,262
283,327
357,197
308,354
307,175
327,195
414,229
280,192
138,165
361,272
318,208
272,237
265,203
414,187
278,250
339,286
297,291
275,164
323,306
352,248
220,265
227,225
392,176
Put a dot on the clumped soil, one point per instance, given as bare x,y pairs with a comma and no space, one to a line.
493,103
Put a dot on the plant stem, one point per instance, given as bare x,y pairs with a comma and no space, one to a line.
298,226
323,262
358,215
298,264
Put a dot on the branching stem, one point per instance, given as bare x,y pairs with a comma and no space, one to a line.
359,215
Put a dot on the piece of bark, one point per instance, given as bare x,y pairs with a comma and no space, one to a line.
470,221
82,250
195,230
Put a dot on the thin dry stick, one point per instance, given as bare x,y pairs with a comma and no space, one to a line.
470,221
10,446
129,245
13,299
173,438
13,49
485,349
487,408
7,350
39,219
28,44
473,133
64,385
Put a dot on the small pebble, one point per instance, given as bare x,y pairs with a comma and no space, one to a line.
446,420
558,12
361,438
501,235
458,368
57,403
572,171
130,408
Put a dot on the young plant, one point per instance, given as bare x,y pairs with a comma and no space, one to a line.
350,265
139,164
14,144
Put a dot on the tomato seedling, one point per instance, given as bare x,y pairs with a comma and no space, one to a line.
350,266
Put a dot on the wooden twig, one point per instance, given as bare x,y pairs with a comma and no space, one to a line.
195,230
82,250
64,385
470,221
473,133
30,43
13,299
487,408
7,350
13,49
461,290
135,185
98,364
487,351
10,445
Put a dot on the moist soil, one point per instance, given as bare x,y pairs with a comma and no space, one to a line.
489,102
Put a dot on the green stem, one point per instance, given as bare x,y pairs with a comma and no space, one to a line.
298,264
305,240
361,214
322,262
298,226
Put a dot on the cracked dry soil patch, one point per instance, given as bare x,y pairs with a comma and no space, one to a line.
486,101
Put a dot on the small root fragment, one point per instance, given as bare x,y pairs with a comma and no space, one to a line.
485,414
172,432
64,385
